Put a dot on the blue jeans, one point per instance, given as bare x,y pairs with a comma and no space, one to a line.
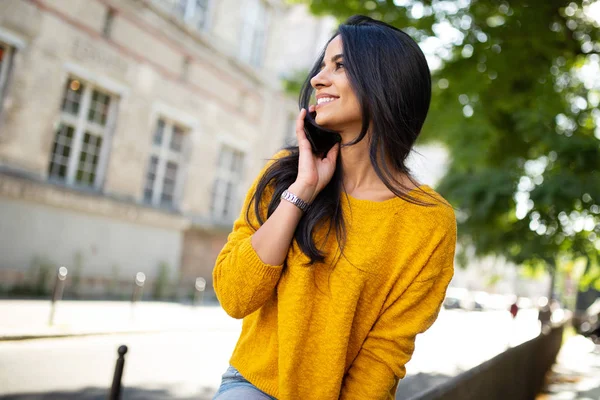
235,387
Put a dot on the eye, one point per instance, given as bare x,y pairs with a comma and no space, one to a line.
339,65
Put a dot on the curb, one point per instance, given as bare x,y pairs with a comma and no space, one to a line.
59,335
16,338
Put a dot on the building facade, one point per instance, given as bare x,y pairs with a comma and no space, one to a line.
130,131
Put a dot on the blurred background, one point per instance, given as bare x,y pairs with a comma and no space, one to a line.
130,131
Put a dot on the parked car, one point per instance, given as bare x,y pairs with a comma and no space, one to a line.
461,298
451,303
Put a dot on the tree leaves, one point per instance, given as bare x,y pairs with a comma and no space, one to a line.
519,120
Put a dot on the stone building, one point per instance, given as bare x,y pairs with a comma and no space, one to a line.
130,131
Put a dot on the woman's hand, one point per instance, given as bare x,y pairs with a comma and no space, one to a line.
314,173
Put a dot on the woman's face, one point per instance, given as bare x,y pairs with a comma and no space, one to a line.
337,105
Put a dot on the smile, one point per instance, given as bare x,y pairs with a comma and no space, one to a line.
325,100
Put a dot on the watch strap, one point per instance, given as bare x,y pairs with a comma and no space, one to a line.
295,200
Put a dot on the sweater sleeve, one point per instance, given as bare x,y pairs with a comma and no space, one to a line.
380,363
242,282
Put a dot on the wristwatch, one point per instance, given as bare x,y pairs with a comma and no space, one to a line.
295,200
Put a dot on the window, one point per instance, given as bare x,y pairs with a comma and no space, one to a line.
229,176
164,167
81,138
253,32
6,53
192,12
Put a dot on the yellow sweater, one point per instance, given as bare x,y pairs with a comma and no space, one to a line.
344,330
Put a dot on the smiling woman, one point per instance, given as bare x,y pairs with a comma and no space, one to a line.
337,105
340,258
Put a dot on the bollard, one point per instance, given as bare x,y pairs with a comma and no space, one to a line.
138,289
138,286
57,292
115,390
199,293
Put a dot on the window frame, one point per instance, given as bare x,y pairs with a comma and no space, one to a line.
165,154
252,46
190,13
81,124
5,70
185,10
223,210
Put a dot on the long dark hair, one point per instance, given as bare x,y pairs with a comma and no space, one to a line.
390,77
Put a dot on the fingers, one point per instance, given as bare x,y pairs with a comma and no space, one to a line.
300,120
300,134
311,108
300,125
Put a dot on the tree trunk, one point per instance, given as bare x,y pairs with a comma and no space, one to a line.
552,271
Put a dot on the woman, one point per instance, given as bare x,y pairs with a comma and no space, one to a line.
333,294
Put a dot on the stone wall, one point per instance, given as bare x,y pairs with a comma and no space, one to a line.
154,66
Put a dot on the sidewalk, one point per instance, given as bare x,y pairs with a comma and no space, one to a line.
29,319
576,374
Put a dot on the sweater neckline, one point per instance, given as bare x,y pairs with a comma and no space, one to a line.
385,204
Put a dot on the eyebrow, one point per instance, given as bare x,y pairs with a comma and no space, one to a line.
333,59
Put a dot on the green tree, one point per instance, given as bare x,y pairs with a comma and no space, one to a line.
515,100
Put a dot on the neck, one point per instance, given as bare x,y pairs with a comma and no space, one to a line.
359,174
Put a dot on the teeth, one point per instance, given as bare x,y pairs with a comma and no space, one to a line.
325,100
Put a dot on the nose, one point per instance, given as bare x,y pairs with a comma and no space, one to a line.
321,79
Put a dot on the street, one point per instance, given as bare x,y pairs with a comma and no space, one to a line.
188,364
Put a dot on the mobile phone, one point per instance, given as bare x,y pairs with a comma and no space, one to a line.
321,139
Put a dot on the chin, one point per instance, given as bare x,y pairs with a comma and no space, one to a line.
336,121
324,121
